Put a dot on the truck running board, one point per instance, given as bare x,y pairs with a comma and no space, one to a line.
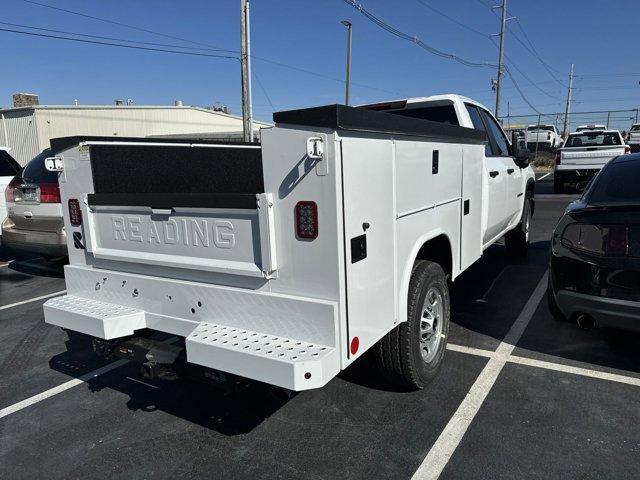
285,362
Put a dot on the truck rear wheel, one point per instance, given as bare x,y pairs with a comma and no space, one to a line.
517,240
411,354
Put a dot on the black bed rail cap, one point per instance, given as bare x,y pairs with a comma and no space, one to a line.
342,117
63,143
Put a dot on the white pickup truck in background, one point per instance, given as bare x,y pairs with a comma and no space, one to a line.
584,154
284,262
633,137
546,136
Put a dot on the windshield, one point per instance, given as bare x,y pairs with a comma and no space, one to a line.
8,166
35,172
594,139
548,128
617,183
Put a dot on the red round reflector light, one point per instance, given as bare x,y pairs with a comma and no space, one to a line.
306,220
355,345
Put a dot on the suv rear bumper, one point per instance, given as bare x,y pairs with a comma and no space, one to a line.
45,243
291,342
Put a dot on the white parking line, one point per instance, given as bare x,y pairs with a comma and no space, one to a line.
544,176
450,437
34,299
585,372
16,407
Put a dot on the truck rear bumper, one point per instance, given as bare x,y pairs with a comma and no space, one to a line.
291,342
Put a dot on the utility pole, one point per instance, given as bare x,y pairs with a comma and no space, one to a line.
245,71
503,21
568,106
347,24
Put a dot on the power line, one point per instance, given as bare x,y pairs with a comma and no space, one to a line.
113,22
451,19
115,38
413,38
209,46
111,44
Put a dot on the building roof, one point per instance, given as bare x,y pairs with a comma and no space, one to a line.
124,107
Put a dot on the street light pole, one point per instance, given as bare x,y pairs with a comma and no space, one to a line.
503,21
347,24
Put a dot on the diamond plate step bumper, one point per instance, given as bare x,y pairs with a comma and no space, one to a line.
93,317
286,362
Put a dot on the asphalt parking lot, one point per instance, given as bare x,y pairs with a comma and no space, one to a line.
520,396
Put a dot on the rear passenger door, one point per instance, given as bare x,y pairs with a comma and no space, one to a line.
494,210
513,177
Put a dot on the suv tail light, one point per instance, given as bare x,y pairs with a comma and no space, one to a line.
307,220
627,149
75,214
49,192
612,240
558,155
549,136
9,193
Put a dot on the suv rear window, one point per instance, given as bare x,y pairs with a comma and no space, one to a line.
34,171
535,128
635,128
8,166
617,183
441,113
594,139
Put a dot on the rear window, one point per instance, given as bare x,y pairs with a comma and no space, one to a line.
635,128
34,171
8,166
617,183
442,113
594,139
535,128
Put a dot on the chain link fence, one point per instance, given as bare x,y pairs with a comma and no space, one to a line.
543,153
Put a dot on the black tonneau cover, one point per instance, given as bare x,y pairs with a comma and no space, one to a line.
342,117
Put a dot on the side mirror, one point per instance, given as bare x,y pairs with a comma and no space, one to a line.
521,153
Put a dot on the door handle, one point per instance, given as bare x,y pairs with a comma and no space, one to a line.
494,173
510,170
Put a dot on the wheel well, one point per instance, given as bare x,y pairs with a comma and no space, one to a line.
437,250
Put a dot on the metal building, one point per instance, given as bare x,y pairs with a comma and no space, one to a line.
27,130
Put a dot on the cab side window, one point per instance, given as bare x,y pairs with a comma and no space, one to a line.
499,144
478,124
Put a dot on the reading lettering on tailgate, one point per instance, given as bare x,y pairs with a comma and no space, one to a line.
197,232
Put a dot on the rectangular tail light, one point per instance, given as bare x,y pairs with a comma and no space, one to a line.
306,214
75,214
10,191
49,192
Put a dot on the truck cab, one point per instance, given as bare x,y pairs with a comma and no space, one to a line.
506,179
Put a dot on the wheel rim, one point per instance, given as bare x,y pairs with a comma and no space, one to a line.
431,324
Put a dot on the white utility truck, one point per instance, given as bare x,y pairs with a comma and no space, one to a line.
584,154
284,262
633,137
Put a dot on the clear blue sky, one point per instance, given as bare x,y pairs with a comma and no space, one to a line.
599,37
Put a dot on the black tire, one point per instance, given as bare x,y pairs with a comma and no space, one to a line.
553,305
558,184
517,240
399,354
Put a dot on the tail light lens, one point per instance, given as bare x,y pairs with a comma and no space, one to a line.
306,220
557,159
611,240
49,193
75,214
548,136
627,149
9,193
